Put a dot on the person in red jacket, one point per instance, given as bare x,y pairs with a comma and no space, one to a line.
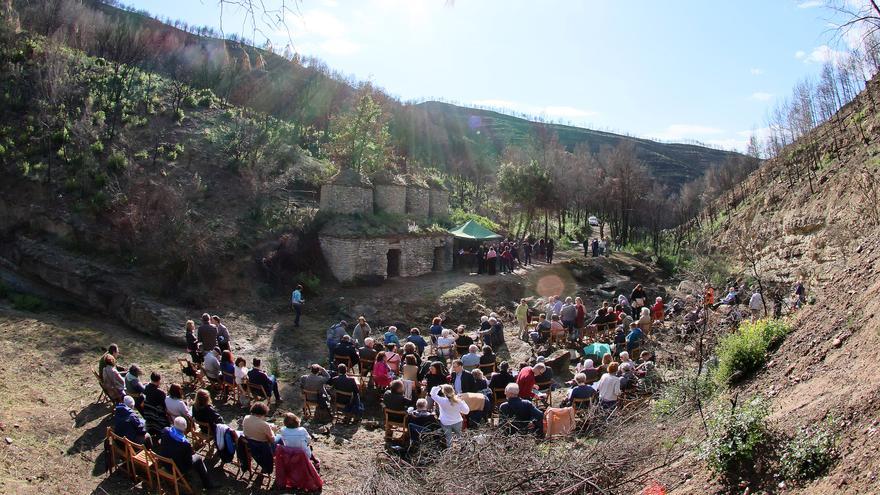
657,310
526,381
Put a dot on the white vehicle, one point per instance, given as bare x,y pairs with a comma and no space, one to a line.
593,221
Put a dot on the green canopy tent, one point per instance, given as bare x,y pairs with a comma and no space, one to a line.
468,236
473,231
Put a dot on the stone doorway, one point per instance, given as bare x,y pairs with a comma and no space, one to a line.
393,263
438,259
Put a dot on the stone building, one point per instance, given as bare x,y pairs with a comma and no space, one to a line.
389,193
347,192
398,251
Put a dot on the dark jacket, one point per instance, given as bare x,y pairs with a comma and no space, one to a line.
259,377
468,384
207,334
395,402
126,423
344,383
501,380
347,349
177,449
520,414
207,415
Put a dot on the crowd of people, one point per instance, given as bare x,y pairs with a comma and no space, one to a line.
507,255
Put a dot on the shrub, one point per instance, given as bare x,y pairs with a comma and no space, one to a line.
27,302
97,147
141,155
810,453
117,162
744,351
310,282
734,437
179,115
459,216
683,392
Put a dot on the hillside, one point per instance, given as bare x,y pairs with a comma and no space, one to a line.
815,220
672,163
308,94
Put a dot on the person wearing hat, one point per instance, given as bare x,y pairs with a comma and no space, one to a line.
361,331
127,423
176,447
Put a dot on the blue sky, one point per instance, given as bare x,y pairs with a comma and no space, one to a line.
674,70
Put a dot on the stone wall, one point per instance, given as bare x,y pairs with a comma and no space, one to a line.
390,198
418,202
439,203
346,199
351,259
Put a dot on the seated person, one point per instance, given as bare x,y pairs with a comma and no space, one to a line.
446,344
435,376
543,374
590,372
526,382
557,329
415,337
502,377
410,368
658,310
314,382
295,436
518,415
393,359
421,416
211,365
344,383
463,340
609,388
541,331
368,351
175,446
488,356
581,390
174,404
624,358
410,349
472,359
461,379
114,384
436,329
481,383
393,398
496,336
227,366
133,385
382,375
203,411
635,337
127,423
260,436
154,404
390,336
346,348
256,376
628,379
645,364
619,339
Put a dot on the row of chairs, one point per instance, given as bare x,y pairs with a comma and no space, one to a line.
226,386
138,461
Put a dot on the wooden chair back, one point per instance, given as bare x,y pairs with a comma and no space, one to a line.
461,350
140,461
257,392
395,421
166,470
229,388
102,395
310,402
341,400
342,359
487,369
203,436
546,387
119,457
196,381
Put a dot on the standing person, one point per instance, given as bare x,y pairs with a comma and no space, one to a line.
222,333
550,247
361,331
481,260
541,248
334,337
527,252
586,244
490,259
602,247
581,318
507,259
192,343
594,247
207,333
522,317
568,315
800,294
296,300
638,298
756,304
451,410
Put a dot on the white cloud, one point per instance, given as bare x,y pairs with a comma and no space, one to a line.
556,112
810,4
339,46
820,55
761,96
756,72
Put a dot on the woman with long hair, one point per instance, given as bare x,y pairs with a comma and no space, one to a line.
381,373
451,410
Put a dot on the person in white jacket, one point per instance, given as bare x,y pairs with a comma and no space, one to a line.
451,410
756,305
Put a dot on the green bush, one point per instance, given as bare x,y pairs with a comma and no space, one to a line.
810,453
27,302
179,115
745,351
734,437
97,147
683,393
310,282
459,216
117,162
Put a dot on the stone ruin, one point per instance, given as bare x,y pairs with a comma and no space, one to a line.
361,258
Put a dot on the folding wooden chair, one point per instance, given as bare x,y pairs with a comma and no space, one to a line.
229,387
102,395
256,470
119,455
546,388
461,350
498,398
342,359
197,381
140,462
582,409
341,400
487,369
393,424
310,403
166,470
203,436
258,393
366,370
